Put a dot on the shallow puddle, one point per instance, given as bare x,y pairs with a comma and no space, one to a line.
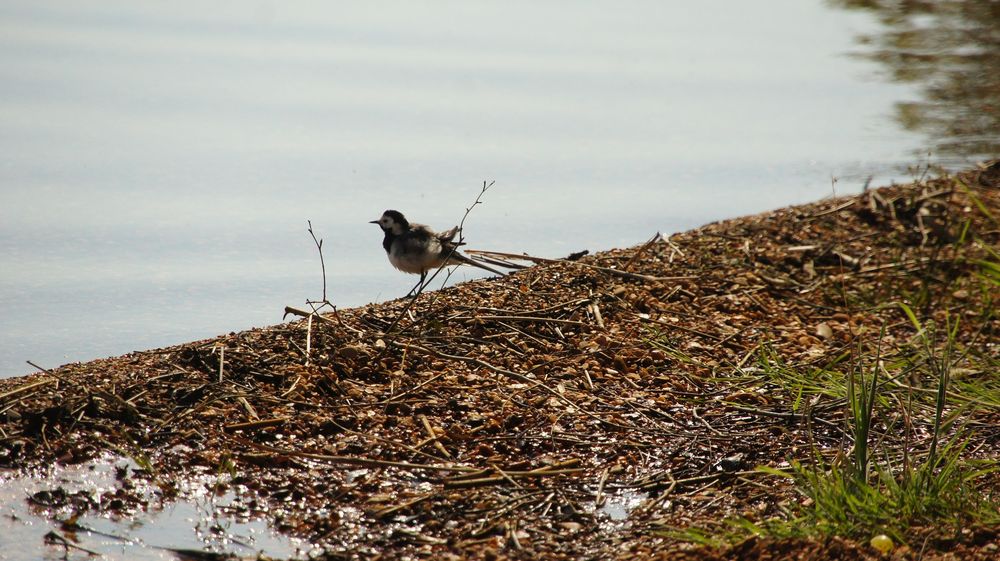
37,518
618,506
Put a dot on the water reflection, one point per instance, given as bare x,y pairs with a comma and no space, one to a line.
951,51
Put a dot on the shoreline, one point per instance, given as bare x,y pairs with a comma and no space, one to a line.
501,416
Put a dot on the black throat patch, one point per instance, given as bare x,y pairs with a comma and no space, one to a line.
387,240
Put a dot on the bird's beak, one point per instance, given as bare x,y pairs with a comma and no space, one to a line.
373,221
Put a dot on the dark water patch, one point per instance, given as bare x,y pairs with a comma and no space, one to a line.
951,51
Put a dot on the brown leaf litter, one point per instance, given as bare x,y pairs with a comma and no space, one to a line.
574,409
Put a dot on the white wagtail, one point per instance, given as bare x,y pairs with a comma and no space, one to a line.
415,248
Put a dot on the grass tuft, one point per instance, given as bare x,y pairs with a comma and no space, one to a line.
875,485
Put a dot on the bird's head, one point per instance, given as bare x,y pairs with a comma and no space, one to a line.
392,221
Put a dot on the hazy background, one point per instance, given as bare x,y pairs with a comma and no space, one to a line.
159,160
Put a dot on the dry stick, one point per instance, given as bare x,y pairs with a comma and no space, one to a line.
433,435
597,314
599,500
371,462
309,330
461,239
900,264
325,301
56,538
476,479
650,505
551,468
523,318
839,207
523,334
650,483
251,412
377,438
222,361
322,264
389,511
681,327
561,305
673,249
252,425
610,271
305,314
499,263
353,460
26,387
642,250
510,528
506,476
409,391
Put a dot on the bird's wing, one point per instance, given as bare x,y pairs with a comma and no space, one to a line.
448,236
419,239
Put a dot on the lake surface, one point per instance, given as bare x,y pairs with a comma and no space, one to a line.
159,161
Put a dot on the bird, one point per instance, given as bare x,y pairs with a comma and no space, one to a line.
415,248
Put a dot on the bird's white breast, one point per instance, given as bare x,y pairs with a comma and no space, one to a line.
410,262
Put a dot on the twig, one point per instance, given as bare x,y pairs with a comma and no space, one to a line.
681,327
599,499
476,480
319,248
523,318
608,270
433,435
27,387
505,476
309,330
642,250
252,425
832,210
249,408
389,511
411,390
561,305
353,460
53,537
461,236
656,482
314,313
222,361
597,314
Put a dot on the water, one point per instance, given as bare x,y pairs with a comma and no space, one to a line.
617,507
199,521
159,161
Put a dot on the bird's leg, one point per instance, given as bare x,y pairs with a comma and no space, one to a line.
419,286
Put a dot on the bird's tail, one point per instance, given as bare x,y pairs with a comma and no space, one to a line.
458,258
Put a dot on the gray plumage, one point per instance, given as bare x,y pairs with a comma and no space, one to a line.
415,248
